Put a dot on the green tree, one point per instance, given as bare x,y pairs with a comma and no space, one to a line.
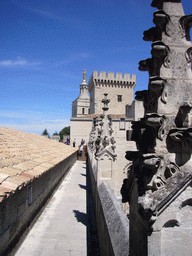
65,131
45,132
55,133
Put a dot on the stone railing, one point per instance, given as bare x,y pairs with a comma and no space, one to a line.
111,221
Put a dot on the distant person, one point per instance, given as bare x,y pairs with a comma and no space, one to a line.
80,150
82,142
68,141
74,142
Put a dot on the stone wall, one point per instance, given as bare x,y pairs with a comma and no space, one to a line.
112,223
80,129
20,208
135,111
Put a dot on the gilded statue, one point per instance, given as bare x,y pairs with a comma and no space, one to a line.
84,76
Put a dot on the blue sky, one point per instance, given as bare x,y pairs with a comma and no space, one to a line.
46,44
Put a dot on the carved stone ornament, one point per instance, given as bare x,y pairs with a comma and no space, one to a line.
93,135
162,165
188,56
157,84
186,24
160,20
146,65
152,34
160,53
158,122
180,140
105,143
159,50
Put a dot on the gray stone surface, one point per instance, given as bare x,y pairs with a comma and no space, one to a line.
116,221
161,170
61,228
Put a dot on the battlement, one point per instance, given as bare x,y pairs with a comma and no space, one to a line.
110,76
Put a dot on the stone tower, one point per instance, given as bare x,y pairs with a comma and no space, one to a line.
81,106
119,89
159,183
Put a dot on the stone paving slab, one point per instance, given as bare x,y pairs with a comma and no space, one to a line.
61,228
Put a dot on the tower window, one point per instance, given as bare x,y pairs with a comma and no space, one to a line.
83,111
119,98
122,124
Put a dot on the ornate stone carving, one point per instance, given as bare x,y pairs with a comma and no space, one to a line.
93,135
159,52
162,165
153,34
183,116
186,24
188,56
105,143
146,65
158,122
157,84
160,19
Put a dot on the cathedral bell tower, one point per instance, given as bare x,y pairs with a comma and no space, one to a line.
81,106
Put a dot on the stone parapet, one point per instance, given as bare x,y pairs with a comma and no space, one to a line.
31,167
110,77
111,221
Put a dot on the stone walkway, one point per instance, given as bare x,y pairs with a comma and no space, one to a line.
61,229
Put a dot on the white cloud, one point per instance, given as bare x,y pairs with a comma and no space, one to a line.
12,114
32,122
38,128
18,62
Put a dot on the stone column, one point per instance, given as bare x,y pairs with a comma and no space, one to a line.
162,165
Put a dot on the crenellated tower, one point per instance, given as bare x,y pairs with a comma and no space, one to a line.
119,88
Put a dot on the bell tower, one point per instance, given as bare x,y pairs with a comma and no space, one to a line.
81,105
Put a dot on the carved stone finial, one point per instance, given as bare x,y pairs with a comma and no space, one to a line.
159,3
105,101
105,142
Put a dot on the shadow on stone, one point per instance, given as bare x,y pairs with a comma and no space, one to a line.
92,236
81,217
83,186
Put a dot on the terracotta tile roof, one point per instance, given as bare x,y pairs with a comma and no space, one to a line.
25,156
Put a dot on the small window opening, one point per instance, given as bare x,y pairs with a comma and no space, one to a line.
122,124
119,98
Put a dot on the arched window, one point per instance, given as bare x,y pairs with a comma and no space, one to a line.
83,111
